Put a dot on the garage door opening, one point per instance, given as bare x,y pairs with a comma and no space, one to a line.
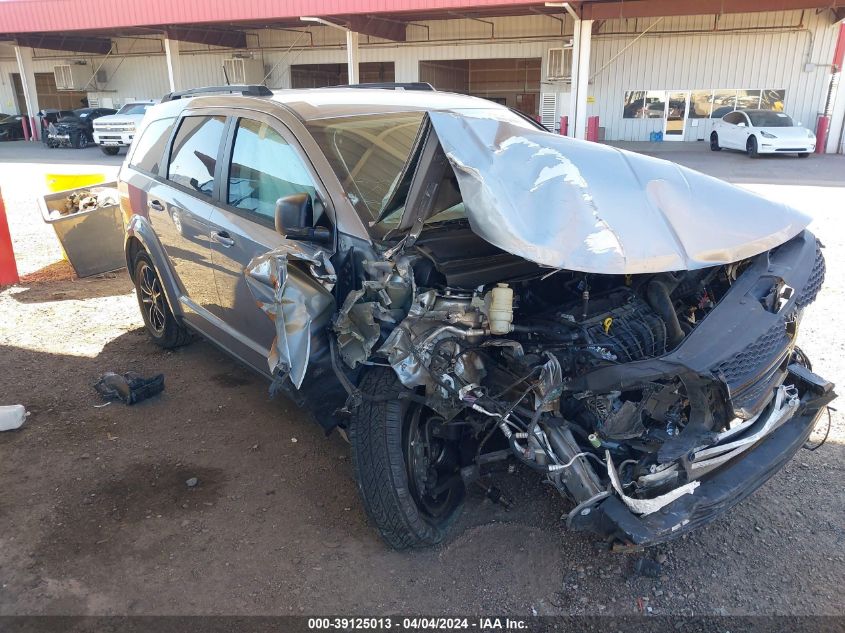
322,75
511,82
49,97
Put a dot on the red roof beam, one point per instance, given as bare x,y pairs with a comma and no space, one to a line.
657,8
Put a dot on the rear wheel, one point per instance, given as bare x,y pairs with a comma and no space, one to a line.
160,322
714,142
406,467
109,151
751,147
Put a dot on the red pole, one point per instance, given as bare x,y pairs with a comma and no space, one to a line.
25,126
564,126
8,267
821,133
592,128
35,135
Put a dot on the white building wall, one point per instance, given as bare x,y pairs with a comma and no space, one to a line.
786,50
783,50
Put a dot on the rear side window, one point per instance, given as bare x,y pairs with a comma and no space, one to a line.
734,117
149,148
264,168
194,154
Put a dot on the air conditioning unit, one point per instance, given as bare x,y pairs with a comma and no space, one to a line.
243,71
71,77
559,63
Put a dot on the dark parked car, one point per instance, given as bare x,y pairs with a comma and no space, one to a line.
11,128
455,288
76,130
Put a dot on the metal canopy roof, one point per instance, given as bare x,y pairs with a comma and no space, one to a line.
55,23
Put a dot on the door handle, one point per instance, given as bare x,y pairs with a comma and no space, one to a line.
155,205
223,238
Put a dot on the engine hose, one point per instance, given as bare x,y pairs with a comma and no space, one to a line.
658,298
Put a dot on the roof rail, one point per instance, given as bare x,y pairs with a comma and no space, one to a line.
389,85
247,91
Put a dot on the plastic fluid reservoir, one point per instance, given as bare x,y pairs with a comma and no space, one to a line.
12,417
501,309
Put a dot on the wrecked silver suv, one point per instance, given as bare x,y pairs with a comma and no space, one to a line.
456,288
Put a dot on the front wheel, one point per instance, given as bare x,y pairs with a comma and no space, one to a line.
751,147
109,151
81,141
714,142
159,320
406,466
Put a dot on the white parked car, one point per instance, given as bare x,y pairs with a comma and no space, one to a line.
116,131
762,132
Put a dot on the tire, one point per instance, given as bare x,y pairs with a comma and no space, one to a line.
803,155
714,143
109,151
81,141
379,435
159,321
751,147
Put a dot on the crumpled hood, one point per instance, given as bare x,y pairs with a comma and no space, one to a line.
583,206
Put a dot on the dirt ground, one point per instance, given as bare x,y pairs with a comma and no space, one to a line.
96,518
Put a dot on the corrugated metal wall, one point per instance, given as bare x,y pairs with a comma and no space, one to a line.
784,50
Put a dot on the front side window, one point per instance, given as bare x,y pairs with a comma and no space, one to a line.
193,158
368,154
264,168
149,148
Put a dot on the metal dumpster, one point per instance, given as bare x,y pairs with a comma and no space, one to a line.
92,240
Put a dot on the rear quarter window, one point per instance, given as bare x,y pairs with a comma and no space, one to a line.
148,154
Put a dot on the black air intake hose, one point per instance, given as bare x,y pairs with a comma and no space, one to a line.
658,295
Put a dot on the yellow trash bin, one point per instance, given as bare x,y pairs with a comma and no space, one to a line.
63,182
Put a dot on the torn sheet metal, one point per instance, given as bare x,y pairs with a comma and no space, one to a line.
646,506
292,299
583,206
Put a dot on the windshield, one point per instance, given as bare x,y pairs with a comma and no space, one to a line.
769,119
134,108
367,153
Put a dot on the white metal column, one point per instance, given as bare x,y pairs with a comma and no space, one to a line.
174,64
23,54
352,56
583,32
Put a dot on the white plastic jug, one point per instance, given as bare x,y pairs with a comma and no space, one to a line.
12,417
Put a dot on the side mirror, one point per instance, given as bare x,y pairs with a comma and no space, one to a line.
741,124
294,217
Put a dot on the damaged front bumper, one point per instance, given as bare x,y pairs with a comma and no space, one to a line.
723,487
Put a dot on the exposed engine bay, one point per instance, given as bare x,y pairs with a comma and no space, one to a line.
504,366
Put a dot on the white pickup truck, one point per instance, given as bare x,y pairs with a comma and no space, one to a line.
117,130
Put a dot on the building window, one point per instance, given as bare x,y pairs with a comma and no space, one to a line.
634,104
772,100
703,103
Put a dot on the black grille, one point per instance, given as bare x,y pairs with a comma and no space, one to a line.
814,283
745,364
752,373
